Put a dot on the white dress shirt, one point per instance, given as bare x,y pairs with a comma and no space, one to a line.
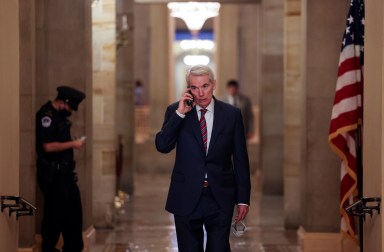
233,100
208,118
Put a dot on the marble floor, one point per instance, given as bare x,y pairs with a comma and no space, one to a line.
142,225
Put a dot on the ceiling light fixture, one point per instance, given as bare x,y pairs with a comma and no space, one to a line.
194,14
191,60
197,44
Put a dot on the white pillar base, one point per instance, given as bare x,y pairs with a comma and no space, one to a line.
324,242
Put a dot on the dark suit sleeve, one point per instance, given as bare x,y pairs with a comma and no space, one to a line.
166,139
241,162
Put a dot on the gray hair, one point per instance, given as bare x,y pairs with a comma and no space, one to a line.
199,70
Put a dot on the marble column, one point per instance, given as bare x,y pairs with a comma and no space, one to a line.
63,57
226,39
125,86
161,35
104,110
373,130
320,172
10,127
249,70
142,46
271,98
293,111
27,117
249,65
161,87
237,30
323,28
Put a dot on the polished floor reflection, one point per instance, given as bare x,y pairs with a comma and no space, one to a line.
142,224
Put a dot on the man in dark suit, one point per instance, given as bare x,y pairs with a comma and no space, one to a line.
211,171
241,101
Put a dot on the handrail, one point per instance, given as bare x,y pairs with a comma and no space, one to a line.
18,205
363,206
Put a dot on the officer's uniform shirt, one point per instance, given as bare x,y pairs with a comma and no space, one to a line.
51,126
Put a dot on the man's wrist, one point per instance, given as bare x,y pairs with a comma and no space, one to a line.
180,114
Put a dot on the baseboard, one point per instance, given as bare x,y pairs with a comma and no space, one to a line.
27,250
89,238
324,242
33,249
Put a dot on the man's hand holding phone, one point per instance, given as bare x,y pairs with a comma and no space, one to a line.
186,102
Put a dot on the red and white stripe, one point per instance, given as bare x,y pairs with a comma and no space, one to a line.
346,115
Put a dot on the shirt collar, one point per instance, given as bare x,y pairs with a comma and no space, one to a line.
209,108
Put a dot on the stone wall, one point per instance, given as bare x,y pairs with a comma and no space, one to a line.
27,117
271,98
104,110
125,87
293,110
320,169
373,142
9,128
63,57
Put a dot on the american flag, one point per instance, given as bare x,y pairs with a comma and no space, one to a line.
347,112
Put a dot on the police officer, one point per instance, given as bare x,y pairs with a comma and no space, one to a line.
55,172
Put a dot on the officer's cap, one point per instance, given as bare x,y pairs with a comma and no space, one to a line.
71,96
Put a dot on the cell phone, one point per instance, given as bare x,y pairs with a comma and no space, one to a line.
83,138
190,102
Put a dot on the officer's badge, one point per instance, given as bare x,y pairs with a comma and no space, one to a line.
46,121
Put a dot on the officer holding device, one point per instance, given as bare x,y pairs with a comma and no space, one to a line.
55,172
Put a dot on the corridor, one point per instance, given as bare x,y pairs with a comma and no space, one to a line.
142,224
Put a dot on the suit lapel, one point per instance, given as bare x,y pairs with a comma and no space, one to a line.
218,124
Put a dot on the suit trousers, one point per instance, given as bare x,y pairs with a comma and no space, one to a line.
208,215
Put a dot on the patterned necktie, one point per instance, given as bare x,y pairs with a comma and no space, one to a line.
203,128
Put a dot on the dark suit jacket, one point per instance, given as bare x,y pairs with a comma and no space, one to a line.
229,180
